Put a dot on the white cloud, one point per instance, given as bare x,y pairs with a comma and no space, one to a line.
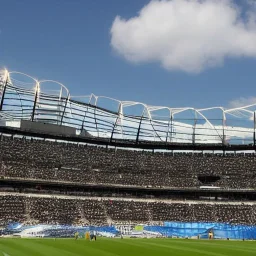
241,102
187,35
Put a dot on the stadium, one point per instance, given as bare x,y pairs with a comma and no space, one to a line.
122,169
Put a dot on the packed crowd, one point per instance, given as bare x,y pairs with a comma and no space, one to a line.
36,209
66,162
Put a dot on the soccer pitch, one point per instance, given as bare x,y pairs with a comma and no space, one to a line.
124,247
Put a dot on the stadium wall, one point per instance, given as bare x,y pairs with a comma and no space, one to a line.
170,229
195,229
41,127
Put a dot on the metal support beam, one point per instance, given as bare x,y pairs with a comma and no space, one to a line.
194,130
169,123
119,118
194,134
138,133
66,102
167,135
35,102
3,94
96,124
95,119
85,113
172,128
113,130
223,129
254,127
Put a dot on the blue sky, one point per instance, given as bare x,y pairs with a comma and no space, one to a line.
70,41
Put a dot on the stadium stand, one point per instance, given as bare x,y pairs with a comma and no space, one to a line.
73,163
34,159
47,209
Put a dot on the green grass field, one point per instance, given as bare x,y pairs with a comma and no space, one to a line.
125,247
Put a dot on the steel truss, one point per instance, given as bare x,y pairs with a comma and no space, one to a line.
27,98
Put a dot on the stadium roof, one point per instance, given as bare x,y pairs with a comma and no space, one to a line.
23,97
